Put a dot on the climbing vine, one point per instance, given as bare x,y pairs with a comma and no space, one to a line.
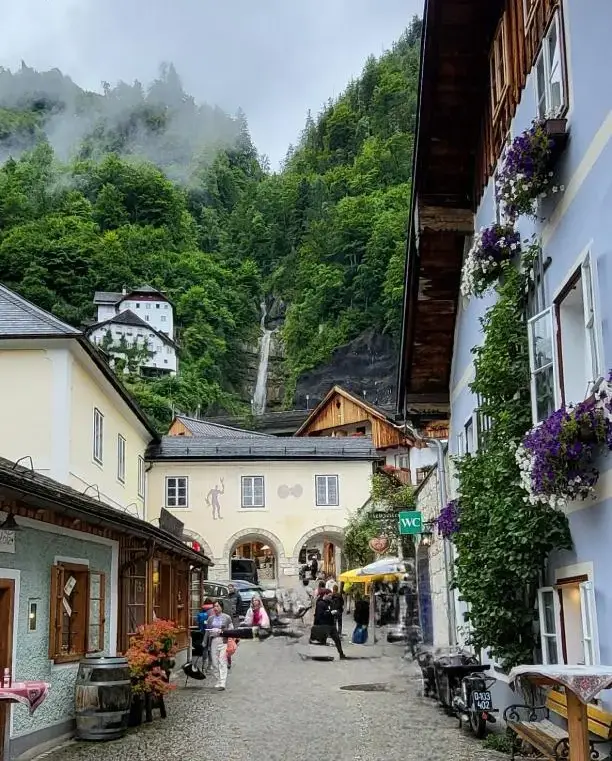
388,497
503,540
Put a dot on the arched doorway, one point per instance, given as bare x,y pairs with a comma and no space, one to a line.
325,543
261,546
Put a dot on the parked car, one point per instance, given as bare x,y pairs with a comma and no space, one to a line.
217,591
247,590
244,569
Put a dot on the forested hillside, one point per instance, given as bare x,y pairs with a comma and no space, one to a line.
206,221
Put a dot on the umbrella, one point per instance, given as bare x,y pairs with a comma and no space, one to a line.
383,567
356,576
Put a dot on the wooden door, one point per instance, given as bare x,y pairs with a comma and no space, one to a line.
7,595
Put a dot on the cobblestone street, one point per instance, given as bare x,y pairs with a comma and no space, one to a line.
279,706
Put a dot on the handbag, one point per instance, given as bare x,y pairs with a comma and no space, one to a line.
360,635
232,646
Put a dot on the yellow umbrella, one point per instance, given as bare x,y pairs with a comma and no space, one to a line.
353,577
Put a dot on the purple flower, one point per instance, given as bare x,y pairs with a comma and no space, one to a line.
448,520
493,246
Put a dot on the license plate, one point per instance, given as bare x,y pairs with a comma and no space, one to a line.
482,701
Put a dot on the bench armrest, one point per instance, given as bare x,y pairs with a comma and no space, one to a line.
522,712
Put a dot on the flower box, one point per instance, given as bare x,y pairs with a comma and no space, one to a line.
556,129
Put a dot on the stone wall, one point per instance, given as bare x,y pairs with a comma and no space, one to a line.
35,553
427,501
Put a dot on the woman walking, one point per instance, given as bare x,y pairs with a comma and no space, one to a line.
216,623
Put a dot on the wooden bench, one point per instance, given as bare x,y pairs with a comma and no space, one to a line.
533,726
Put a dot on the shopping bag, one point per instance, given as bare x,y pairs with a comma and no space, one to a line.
360,635
232,646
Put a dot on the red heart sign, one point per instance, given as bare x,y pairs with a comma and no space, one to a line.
379,544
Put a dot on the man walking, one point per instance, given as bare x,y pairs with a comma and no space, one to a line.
337,607
324,625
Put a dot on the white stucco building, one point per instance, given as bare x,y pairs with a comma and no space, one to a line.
142,317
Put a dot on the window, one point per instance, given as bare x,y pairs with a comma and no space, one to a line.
137,305
163,318
550,72
565,345
470,438
142,475
176,491
121,458
253,491
165,306
498,64
542,360
76,612
135,581
147,317
461,443
98,435
568,623
327,491
157,306
483,423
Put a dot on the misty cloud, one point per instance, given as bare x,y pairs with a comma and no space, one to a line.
273,58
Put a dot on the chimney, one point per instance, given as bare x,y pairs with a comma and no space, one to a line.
124,291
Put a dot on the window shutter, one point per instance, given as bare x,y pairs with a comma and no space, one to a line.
96,618
550,625
590,640
55,611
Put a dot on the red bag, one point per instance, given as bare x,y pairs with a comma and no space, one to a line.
232,646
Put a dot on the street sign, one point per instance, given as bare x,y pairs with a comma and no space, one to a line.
410,523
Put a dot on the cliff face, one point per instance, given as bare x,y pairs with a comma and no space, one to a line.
367,366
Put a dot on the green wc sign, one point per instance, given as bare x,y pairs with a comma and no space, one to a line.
410,522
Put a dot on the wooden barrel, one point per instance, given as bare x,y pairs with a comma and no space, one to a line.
102,698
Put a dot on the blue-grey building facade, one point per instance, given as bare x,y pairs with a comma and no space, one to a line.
552,70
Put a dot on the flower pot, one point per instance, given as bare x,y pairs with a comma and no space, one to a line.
556,129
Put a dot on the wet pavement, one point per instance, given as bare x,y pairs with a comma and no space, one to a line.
281,705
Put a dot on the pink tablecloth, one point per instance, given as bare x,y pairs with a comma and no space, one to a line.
584,681
31,694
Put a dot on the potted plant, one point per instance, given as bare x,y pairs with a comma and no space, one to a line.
448,520
525,175
492,247
557,458
151,657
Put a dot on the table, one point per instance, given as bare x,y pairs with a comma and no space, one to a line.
32,694
582,684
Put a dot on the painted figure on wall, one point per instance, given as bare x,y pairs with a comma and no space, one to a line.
212,498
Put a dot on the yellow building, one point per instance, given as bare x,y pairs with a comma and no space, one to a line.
275,500
63,413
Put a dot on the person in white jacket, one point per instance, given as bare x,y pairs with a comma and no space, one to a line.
257,615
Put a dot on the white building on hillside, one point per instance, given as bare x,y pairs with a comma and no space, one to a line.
134,322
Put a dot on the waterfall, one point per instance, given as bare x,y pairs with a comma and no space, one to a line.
259,395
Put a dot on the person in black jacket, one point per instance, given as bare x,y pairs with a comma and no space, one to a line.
324,625
337,606
362,610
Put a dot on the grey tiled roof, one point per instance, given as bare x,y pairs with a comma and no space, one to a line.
107,297
263,448
216,430
19,317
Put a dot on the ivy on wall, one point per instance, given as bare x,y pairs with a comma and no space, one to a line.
388,497
503,540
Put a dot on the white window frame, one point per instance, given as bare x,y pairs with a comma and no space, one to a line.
549,313
592,323
250,502
98,436
461,443
590,636
121,450
544,634
175,488
327,502
142,477
549,69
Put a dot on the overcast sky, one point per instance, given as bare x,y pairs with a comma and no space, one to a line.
274,58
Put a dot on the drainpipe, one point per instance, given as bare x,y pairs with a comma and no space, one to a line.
448,559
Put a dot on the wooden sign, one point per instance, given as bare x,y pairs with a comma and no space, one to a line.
170,523
379,544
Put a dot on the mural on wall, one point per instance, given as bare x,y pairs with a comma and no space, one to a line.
285,491
212,499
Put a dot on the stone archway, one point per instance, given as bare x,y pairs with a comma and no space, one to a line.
331,539
194,536
246,535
